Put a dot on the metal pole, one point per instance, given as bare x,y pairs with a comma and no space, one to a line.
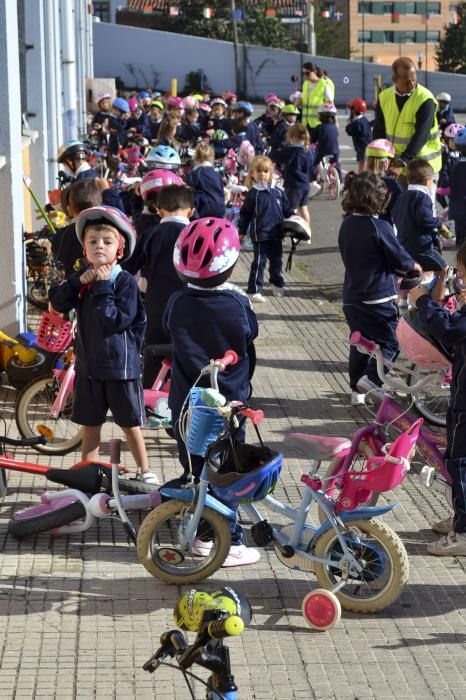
427,50
67,14
363,68
311,47
235,46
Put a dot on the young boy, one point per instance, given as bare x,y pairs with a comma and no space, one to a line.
111,322
204,257
359,129
176,206
417,227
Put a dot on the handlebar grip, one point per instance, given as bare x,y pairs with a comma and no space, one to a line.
357,339
23,442
255,416
115,451
230,358
230,627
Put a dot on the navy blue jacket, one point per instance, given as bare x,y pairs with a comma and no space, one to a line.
118,136
278,135
111,322
372,256
142,124
450,330
416,225
154,129
100,117
395,190
360,131
457,201
254,137
298,165
263,212
326,136
209,197
188,132
232,325
144,225
446,116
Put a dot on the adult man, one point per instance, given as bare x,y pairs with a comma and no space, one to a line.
316,91
406,116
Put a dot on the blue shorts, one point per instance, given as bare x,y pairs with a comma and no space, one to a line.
297,198
93,398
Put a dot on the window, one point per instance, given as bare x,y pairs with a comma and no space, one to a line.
434,8
364,37
365,8
433,37
410,37
389,37
410,8
388,8
101,9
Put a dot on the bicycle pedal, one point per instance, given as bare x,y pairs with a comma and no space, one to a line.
427,475
262,533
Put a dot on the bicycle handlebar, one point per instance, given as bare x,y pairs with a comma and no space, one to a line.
360,342
230,358
23,442
256,417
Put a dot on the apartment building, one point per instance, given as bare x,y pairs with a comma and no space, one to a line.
381,31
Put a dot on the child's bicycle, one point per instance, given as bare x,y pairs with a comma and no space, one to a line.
213,616
328,178
358,561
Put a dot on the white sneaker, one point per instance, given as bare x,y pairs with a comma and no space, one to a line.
247,244
314,188
200,548
357,399
452,545
278,291
443,527
258,298
240,555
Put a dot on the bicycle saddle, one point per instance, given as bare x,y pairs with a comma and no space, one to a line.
318,447
88,478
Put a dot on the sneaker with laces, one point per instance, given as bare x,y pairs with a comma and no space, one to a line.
200,548
240,555
452,545
258,298
314,188
247,244
278,291
443,527
149,477
357,399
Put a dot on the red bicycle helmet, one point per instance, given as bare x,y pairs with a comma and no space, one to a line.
206,251
155,180
358,105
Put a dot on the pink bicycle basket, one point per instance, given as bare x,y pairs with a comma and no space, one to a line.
54,333
419,349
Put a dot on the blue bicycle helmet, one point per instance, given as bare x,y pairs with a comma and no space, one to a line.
243,107
164,157
242,473
143,95
121,104
460,138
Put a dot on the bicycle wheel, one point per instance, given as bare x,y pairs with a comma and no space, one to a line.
385,566
20,374
433,400
3,483
38,519
333,183
37,295
33,417
158,544
334,470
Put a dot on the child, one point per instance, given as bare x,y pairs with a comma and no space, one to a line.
457,202
417,227
325,135
189,129
445,114
175,205
155,115
359,129
207,184
372,257
104,102
298,164
262,214
450,155
269,119
450,329
243,111
72,156
167,132
290,114
117,125
217,119
111,321
379,155
204,257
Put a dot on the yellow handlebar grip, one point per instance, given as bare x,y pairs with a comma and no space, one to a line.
234,625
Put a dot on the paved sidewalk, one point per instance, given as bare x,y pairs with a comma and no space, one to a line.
79,615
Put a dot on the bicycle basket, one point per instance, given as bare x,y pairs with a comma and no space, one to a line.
418,346
240,472
204,424
54,333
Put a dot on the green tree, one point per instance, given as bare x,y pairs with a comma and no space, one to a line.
331,36
451,51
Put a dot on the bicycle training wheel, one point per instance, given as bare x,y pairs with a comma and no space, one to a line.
334,184
383,557
335,470
433,400
33,417
45,516
159,550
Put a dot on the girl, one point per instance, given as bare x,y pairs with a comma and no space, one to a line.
325,135
209,195
262,214
167,132
379,154
372,257
298,163
450,329
189,129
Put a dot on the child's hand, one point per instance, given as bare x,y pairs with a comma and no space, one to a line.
417,268
416,293
88,277
102,183
103,272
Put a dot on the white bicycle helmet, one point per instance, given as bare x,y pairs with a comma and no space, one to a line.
443,97
113,216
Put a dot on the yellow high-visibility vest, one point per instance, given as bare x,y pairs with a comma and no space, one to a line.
313,97
400,126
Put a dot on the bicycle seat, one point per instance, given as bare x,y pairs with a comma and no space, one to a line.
87,478
318,447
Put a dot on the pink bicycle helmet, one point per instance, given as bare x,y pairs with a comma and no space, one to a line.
206,251
418,347
155,180
451,130
133,103
380,148
190,102
205,107
230,161
230,96
271,97
246,153
174,102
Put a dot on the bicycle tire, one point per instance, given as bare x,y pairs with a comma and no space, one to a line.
20,374
46,521
201,567
37,296
134,486
3,483
387,569
334,184
334,469
32,409
437,415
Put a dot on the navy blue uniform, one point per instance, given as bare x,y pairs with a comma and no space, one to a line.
278,135
457,201
262,214
417,227
188,132
445,116
298,164
360,131
450,330
118,136
142,125
372,256
395,190
209,196
326,137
